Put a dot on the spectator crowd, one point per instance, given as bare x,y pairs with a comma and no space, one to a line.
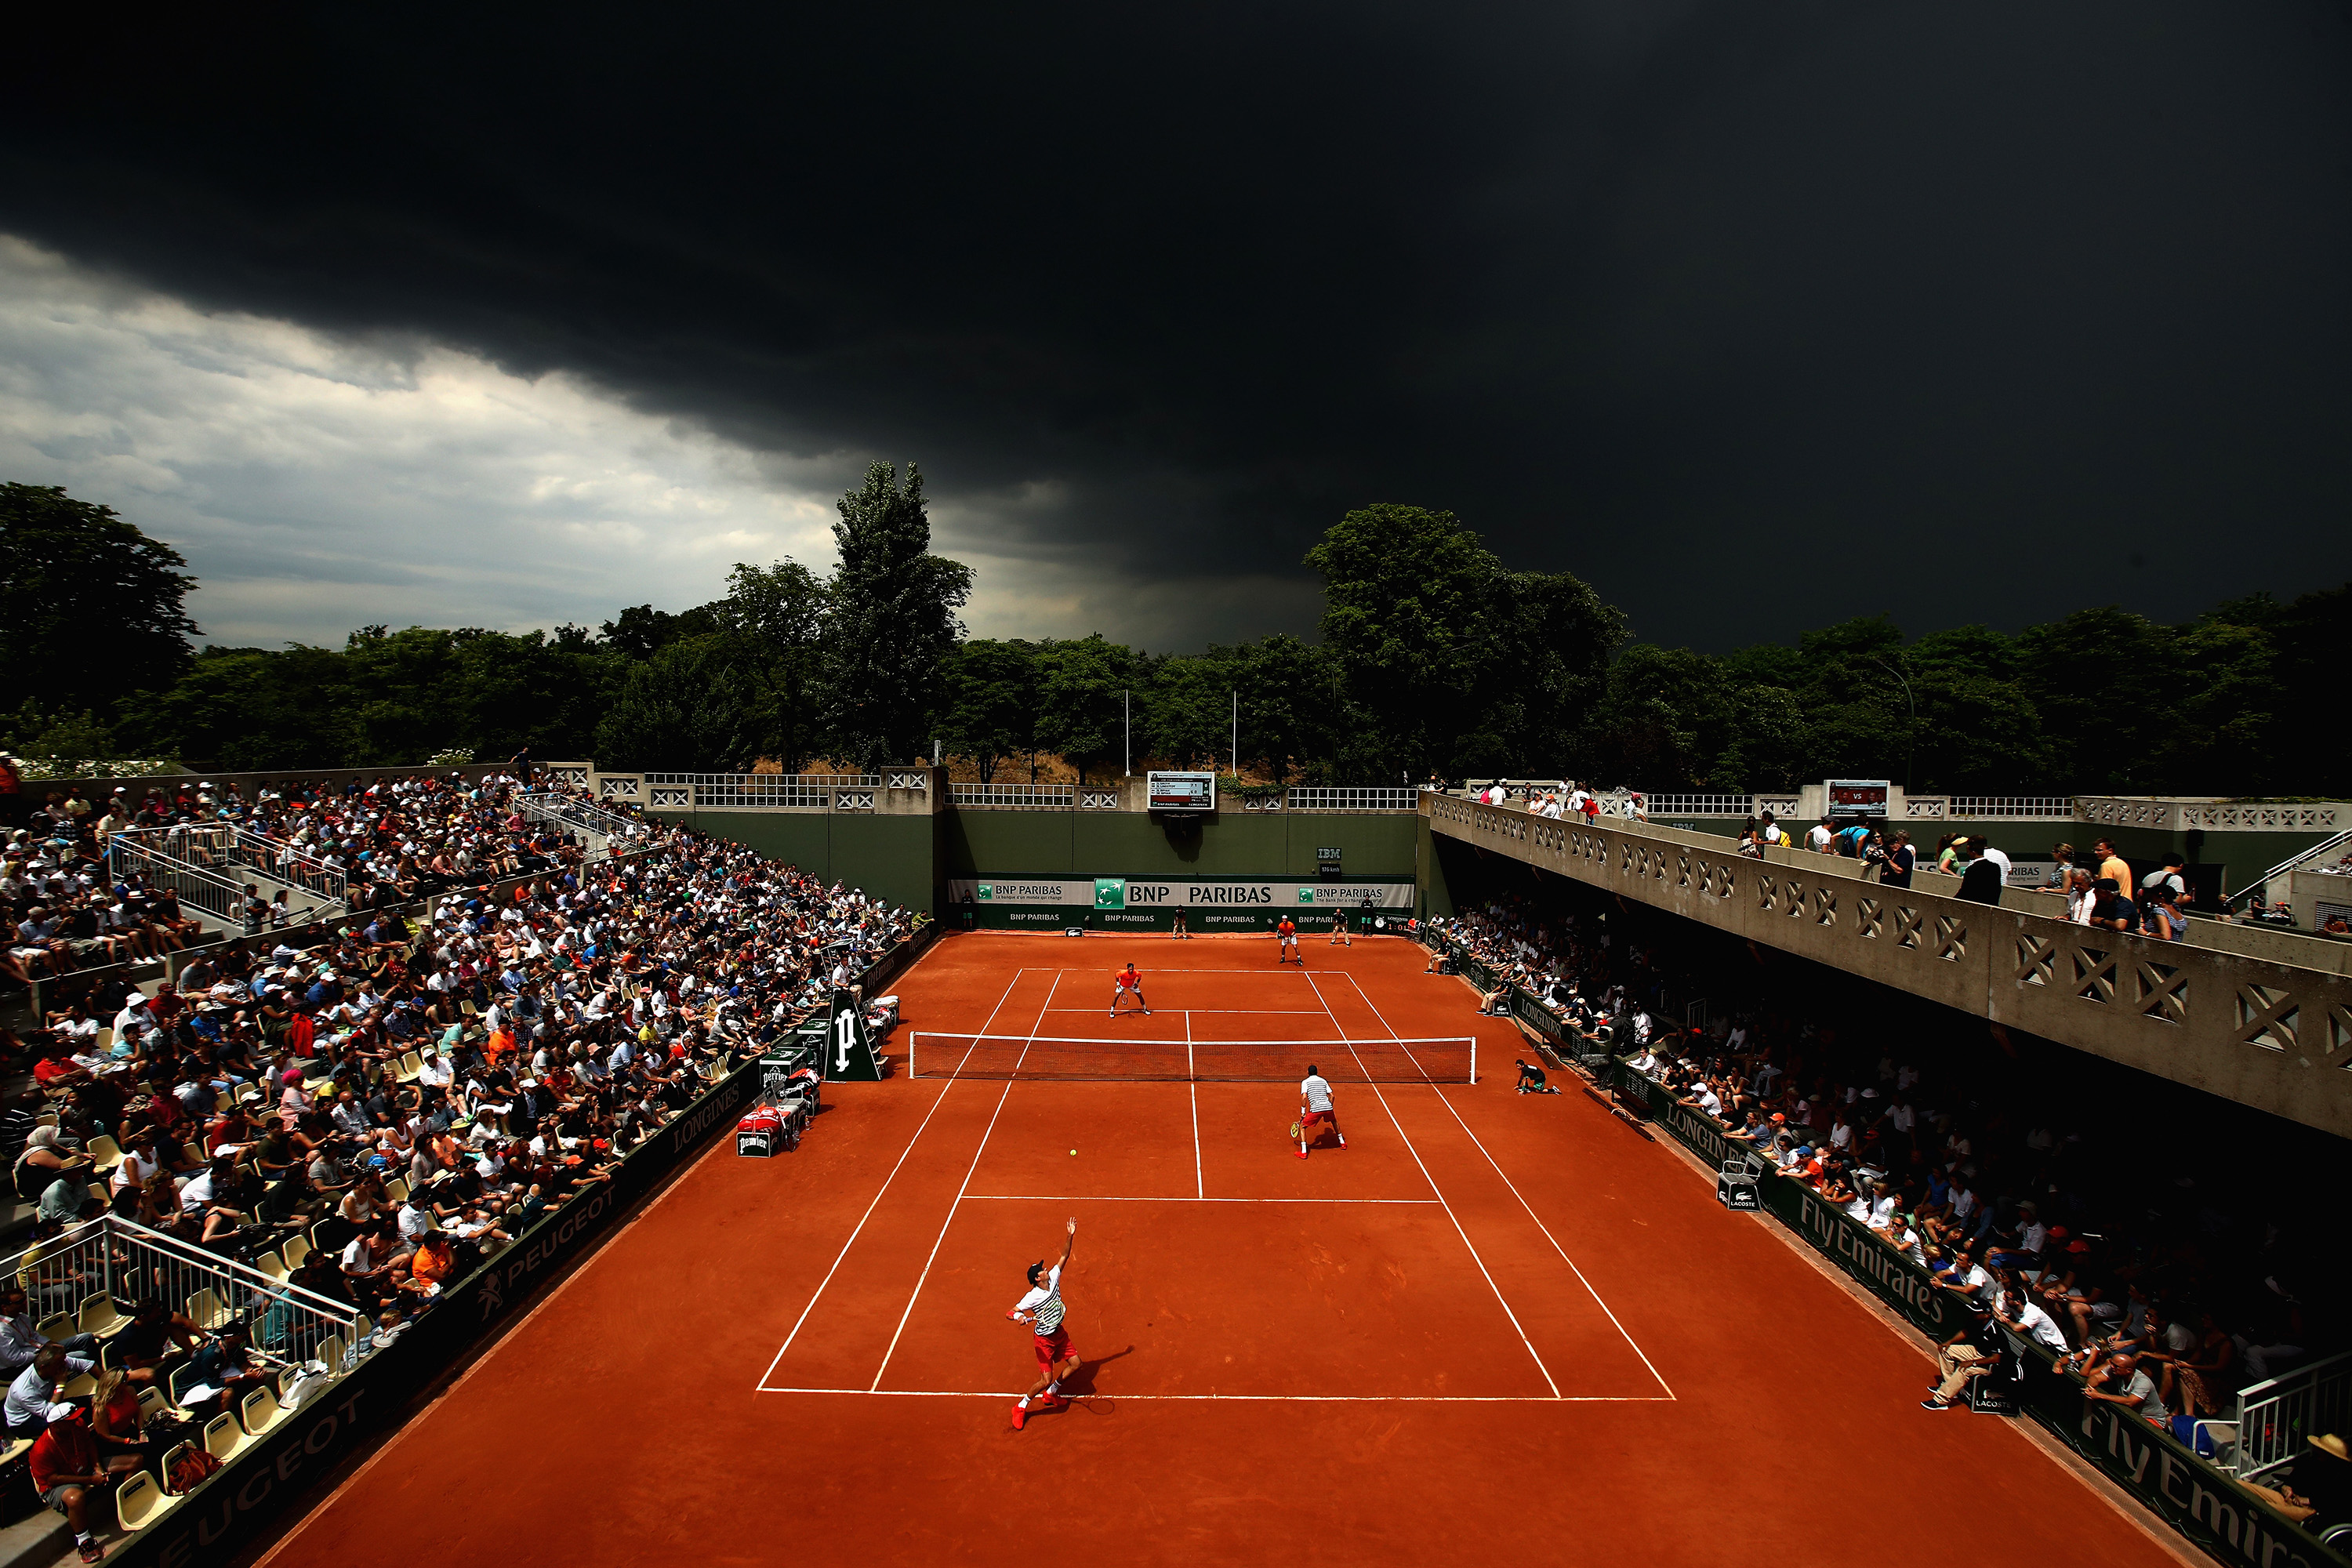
404,1097
2162,1300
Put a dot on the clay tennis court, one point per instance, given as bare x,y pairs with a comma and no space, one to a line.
1497,1327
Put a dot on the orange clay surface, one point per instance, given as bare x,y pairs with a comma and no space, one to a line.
1496,1329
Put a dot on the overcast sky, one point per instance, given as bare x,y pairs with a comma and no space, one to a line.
1755,316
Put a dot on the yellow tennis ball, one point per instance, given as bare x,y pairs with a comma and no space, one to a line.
1073,1152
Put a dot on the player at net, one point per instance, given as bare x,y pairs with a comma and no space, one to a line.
933,1054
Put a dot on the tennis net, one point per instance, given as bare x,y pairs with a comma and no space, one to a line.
933,1054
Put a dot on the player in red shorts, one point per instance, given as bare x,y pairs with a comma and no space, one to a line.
1123,981
1315,1111
1041,1309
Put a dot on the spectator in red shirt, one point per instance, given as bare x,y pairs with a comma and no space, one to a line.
67,1469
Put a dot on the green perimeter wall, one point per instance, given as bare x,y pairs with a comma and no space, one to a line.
910,859
1045,844
893,858
1227,846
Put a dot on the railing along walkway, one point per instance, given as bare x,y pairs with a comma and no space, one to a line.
2266,1033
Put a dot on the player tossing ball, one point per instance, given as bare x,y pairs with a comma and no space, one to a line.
1041,1309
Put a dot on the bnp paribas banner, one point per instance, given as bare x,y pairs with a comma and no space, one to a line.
1207,905
1138,893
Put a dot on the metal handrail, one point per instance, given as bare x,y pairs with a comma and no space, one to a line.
2290,863
190,883
2276,1416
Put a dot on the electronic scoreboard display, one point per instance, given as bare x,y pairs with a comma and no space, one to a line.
1182,792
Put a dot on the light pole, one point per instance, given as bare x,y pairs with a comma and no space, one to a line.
1911,732
1127,702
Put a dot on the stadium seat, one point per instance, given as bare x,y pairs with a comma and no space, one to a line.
195,1153
140,1503
269,1263
331,1352
58,1326
296,1249
15,1452
411,1069
396,1189
100,1316
98,1192
81,1385
181,1378
260,1412
155,1402
105,1153
226,1438
172,1461
207,1310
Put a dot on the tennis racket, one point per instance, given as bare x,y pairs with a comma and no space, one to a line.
1296,1128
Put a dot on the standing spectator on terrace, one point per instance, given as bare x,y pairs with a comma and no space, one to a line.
2110,864
1980,883
1896,862
2061,868
2169,876
2112,911
1822,836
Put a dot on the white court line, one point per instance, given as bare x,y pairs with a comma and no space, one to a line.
1262,1399
1199,1178
1217,1012
1555,1247
1434,1187
941,1238
1065,1198
870,1207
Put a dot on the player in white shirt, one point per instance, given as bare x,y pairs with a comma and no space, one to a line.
1041,1309
1315,1111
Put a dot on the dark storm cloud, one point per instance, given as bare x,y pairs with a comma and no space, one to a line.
1755,316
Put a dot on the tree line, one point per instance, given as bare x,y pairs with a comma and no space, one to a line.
1434,657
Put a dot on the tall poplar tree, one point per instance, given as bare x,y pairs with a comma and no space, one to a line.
892,621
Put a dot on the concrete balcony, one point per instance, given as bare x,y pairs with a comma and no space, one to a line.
2263,1017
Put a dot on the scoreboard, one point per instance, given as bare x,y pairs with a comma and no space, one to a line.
1181,792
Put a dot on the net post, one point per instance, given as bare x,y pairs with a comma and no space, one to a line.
1474,1058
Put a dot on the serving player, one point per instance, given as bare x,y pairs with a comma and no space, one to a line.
1286,943
1042,1309
1123,981
1315,1111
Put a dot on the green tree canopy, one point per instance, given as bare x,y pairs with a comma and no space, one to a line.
91,610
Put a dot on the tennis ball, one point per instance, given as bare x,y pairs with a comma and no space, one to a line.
1073,1154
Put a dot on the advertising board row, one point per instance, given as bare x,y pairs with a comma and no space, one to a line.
1137,903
